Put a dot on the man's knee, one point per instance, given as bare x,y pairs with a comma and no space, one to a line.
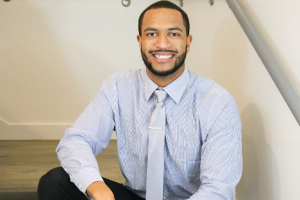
53,179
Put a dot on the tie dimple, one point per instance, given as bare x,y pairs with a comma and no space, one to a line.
160,95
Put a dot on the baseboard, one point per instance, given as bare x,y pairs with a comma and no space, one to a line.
34,131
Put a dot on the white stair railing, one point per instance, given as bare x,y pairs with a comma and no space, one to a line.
268,58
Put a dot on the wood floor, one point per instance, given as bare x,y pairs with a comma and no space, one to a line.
22,163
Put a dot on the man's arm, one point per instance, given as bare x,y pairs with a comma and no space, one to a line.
221,159
99,191
88,136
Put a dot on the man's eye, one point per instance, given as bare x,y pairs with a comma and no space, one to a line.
174,34
151,34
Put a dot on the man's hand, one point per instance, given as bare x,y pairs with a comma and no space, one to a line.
99,191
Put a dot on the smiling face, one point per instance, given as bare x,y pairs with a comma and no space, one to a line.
164,43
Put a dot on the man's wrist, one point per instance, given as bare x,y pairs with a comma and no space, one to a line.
99,190
93,188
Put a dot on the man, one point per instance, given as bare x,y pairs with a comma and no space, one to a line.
200,127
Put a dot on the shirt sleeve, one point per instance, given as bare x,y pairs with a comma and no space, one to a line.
221,157
88,136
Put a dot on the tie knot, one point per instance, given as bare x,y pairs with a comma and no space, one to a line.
160,95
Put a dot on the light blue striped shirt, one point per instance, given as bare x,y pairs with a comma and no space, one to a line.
203,150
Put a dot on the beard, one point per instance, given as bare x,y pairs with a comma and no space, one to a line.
178,63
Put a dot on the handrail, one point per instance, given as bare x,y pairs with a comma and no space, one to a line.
268,58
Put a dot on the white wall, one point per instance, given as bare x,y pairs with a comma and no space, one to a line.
271,136
55,54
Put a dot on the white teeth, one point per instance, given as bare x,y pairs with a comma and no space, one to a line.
163,56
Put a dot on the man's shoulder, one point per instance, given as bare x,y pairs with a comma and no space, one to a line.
206,86
129,75
210,98
134,73
124,80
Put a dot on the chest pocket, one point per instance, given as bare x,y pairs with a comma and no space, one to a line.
184,140
188,161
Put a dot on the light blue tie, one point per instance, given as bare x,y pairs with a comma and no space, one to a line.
155,168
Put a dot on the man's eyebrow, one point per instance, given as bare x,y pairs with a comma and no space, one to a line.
150,29
175,29
170,29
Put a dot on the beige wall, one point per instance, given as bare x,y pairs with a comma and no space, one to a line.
271,136
55,54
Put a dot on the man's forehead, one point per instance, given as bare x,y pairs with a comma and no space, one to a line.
162,16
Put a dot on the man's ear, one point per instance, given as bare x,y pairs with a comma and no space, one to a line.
188,43
139,39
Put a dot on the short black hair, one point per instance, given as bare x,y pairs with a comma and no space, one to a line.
169,5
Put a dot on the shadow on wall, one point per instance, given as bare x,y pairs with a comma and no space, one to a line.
260,179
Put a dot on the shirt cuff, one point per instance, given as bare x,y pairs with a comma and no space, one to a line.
86,177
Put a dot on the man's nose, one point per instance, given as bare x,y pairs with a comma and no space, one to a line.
163,42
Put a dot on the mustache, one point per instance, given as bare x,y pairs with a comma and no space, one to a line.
162,50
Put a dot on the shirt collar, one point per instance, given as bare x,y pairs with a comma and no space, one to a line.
174,89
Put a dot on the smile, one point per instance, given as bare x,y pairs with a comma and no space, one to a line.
163,56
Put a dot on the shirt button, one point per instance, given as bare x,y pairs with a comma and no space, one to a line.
79,186
165,198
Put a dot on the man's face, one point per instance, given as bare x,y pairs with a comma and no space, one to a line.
163,43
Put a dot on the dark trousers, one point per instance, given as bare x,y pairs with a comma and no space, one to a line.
56,185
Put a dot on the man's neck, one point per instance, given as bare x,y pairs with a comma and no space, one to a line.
163,81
